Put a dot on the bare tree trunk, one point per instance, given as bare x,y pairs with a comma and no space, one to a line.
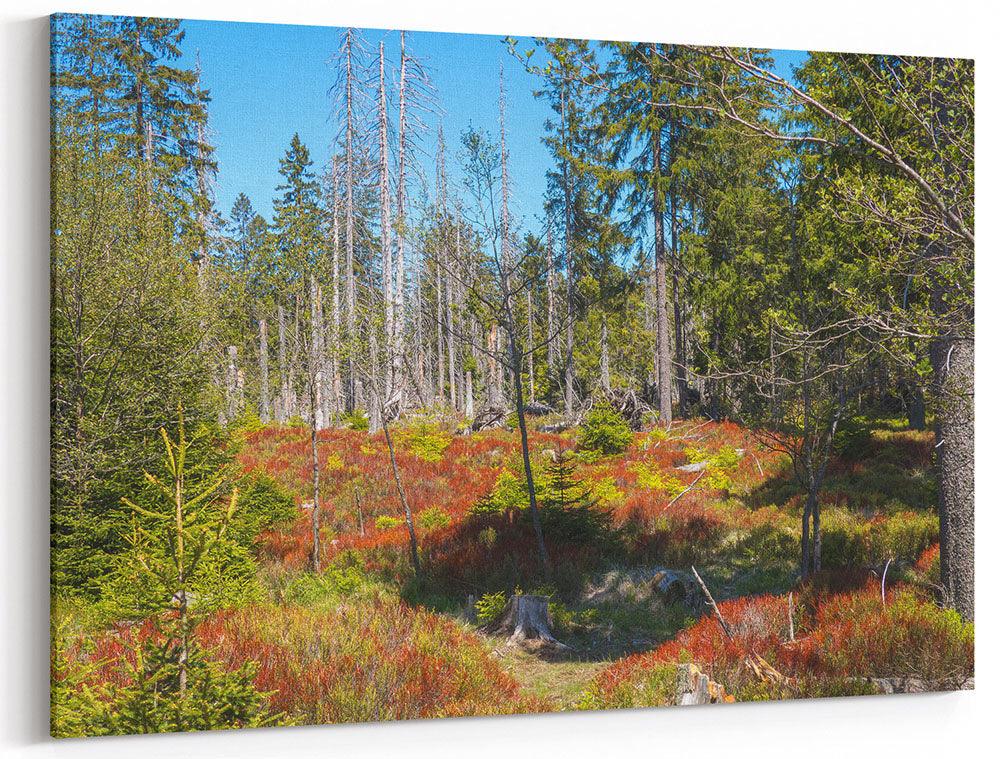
232,381
265,395
568,256
663,381
338,388
605,360
353,380
316,351
418,317
550,324
414,555
493,393
536,522
385,224
400,218
285,404
314,447
679,361
450,321
438,285
953,360
531,355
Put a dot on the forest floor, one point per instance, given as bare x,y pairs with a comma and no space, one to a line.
366,640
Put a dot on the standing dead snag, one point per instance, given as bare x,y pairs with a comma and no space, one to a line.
526,621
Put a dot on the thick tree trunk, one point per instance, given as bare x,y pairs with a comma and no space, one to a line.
953,360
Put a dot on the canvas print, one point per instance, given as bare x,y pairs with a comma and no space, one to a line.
403,375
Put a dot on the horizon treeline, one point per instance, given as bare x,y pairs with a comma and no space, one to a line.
718,241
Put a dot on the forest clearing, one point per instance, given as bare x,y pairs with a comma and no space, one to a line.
689,420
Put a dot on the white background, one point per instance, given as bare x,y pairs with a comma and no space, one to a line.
961,724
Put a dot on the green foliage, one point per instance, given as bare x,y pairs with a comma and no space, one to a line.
648,476
853,439
261,505
433,518
604,430
308,589
726,458
355,420
246,423
78,704
606,492
509,492
905,536
386,522
214,697
209,559
425,440
490,606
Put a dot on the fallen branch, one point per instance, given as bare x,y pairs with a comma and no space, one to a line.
754,661
677,497
711,602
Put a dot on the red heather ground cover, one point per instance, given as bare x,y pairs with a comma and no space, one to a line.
466,473
840,638
377,660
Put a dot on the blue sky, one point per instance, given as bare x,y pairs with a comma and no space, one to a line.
269,81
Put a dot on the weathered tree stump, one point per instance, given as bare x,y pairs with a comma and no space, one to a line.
526,621
694,688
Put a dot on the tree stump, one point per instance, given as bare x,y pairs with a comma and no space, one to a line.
526,621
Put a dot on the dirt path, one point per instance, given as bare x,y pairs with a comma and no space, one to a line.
562,681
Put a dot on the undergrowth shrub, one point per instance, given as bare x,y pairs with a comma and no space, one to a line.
433,518
842,645
604,430
490,606
361,662
425,440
